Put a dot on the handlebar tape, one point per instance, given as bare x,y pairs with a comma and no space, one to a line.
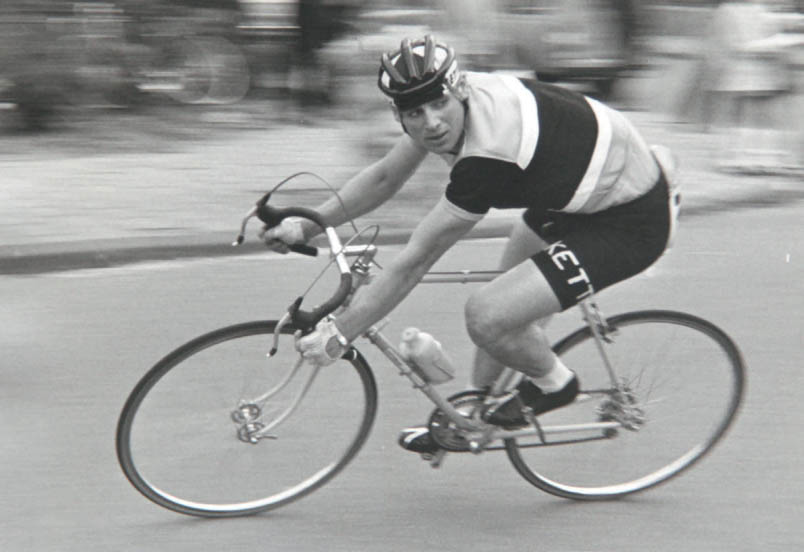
272,216
304,249
307,320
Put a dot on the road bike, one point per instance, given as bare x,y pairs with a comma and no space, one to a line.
234,422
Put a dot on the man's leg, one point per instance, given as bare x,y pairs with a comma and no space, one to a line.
505,319
502,316
522,244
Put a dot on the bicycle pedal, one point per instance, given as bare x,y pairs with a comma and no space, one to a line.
434,458
492,403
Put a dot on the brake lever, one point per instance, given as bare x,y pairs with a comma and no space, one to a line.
242,235
277,331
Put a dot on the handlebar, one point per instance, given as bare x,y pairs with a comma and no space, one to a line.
272,216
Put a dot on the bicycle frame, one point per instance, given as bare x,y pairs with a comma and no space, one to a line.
479,434
353,277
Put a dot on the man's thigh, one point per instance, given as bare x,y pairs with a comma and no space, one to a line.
522,244
516,298
521,295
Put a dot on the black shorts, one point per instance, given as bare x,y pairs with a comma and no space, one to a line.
589,252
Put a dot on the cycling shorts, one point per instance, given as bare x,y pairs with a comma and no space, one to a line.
589,252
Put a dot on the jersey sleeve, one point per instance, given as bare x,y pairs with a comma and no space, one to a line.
469,189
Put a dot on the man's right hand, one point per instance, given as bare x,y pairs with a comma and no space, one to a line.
288,232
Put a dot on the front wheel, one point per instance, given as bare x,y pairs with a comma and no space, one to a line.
680,381
217,428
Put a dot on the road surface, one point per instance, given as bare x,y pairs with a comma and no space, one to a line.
75,343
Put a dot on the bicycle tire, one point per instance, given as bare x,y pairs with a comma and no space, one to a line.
159,425
602,466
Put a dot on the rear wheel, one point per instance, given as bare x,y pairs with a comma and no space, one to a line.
211,430
682,381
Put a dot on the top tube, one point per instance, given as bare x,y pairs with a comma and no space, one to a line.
460,276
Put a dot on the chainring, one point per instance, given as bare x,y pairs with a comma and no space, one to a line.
444,431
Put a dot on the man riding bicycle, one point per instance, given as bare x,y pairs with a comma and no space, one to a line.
597,211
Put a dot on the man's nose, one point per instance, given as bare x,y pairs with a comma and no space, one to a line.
431,118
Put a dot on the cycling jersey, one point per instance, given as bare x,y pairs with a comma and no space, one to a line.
534,145
590,186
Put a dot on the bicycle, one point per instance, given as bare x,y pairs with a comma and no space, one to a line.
659,389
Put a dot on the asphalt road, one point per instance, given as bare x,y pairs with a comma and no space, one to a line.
75,343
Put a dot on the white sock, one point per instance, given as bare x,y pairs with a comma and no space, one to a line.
556,379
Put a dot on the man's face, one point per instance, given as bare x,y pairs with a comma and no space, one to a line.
436,125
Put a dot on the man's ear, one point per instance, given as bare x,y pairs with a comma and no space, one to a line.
459,88
397,116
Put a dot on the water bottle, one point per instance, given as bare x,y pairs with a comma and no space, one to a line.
423,351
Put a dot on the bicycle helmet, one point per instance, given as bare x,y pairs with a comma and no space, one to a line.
418,72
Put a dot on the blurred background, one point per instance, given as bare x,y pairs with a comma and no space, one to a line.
734,69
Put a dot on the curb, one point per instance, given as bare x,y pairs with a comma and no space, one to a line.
105,253
63,256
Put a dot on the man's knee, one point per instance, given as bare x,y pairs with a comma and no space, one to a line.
484,322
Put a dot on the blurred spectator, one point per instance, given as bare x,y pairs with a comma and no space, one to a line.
749,78
627,26
216,17
582,42
319,21
33,69
472,28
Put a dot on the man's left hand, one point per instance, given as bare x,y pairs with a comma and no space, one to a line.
324,345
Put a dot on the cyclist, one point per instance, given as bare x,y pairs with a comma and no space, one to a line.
597,211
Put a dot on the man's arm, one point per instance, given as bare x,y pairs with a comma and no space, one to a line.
434,235
371,187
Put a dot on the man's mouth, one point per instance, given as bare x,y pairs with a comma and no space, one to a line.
438,137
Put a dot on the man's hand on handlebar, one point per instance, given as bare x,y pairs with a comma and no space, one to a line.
322,346
289,232
282,233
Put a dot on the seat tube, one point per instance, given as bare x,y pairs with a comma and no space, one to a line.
508,378
593,319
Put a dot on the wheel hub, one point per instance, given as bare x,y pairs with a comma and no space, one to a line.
622,407
250,430
246,413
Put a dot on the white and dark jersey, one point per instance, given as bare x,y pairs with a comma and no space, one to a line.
534,145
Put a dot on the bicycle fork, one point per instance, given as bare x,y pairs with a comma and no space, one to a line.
247,415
